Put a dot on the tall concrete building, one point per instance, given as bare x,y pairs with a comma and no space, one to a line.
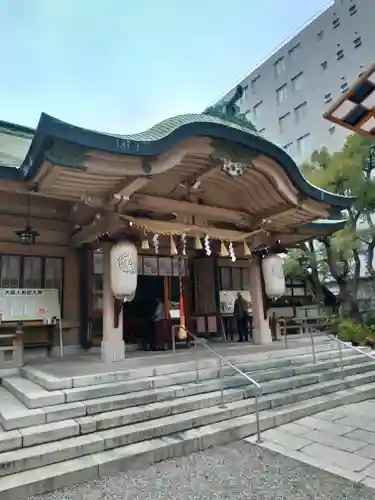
286,96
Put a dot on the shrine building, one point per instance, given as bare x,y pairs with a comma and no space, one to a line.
202,196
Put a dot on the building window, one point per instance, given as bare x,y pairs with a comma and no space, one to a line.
279,66
31,272
53,274
300,112
10,271
281,93
294,51
288,147
357,42
320,35
255,84
257,110
328,97
297,82
234,278
303,144
336,23
324,65
352,10
283,122
344,87
340,54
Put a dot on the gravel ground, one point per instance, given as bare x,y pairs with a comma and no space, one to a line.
238,472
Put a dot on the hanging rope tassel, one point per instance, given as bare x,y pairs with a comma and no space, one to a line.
223,250
173,246
246,249
145,244
197,243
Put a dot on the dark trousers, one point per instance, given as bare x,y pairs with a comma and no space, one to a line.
242,328
149,337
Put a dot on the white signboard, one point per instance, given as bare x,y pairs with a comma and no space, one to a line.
20,304
31,304
228,298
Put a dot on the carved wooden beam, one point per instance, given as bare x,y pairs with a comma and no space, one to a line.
159,204
173,227
100,224
280,210
18,187
46,175
40,224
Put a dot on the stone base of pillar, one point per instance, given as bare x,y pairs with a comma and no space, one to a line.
262,336
112,351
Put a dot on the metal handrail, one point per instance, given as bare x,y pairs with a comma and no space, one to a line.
340,343
231,365
347,344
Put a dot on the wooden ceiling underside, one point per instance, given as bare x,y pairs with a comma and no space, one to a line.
189,188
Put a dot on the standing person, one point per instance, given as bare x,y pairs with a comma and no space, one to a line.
242,317
159,323
154,319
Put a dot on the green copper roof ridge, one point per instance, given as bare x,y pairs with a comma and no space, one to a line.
164,136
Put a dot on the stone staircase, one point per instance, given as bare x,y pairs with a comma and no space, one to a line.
60,431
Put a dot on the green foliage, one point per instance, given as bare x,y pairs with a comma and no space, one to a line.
301,261
349,331
345,172
350,172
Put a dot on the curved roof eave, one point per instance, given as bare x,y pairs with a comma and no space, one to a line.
325,225
161,138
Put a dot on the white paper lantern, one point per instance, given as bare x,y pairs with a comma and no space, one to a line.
274,278
124,270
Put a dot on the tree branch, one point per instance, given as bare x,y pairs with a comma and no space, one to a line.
370,258
331,260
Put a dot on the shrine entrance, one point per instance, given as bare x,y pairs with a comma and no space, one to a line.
158,278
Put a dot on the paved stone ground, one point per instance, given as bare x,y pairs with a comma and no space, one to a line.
240,471
341,441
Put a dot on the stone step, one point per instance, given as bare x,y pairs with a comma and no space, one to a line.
173,416
34,396
279,357
49,453
234,399
45,478
30,457
38,434
112,403
14,414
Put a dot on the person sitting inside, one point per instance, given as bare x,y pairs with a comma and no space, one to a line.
241,314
